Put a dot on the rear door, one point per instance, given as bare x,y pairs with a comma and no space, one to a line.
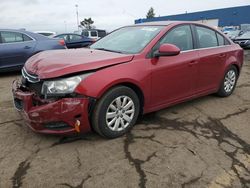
75,41
173,76
15,49
213,54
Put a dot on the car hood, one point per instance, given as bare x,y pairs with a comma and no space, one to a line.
55,63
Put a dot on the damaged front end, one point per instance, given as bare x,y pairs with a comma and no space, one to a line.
50,113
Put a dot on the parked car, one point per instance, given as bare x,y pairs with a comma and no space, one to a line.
233,34
243,40
228,29
17,46
94,33
74,40
134,70
49,34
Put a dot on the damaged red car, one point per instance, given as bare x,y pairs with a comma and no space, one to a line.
134,70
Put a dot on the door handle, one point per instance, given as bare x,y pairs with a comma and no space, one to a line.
222,55
27,47
191,63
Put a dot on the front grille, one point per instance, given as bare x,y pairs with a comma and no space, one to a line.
30,77
240,41
31,82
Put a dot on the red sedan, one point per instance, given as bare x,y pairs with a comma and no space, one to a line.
134,70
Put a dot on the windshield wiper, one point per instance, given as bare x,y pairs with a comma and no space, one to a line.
108,50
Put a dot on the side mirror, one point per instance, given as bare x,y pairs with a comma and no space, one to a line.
167,50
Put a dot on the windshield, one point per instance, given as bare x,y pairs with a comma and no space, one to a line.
130,40
46,34
245,35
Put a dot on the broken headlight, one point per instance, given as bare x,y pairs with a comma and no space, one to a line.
62,86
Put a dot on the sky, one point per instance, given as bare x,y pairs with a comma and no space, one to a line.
60,15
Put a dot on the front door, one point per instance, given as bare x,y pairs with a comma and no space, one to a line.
173,77
15,49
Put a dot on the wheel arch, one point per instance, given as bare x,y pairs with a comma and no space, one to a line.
138,92
137,89
233,61
237,67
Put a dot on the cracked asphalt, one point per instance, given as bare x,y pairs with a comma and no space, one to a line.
201,143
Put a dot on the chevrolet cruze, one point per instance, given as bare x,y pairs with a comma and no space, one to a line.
134,70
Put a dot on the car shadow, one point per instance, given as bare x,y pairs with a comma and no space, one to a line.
10,74
93,136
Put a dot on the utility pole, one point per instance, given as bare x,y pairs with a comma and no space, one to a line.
77,17
65,26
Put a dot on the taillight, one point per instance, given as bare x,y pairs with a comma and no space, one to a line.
61,42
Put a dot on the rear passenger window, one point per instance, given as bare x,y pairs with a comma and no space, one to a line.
101,33
206,37
10,37
75,38
221,40
85,33
180,36
93,33
26,38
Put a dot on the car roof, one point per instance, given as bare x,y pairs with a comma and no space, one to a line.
166,23
68,34
94,30
163,23
52,32
30,34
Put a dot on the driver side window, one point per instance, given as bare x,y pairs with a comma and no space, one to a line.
180,36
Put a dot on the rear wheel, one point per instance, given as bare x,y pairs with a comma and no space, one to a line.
229,82
116,112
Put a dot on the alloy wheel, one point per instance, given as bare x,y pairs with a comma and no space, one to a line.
229,81
120,113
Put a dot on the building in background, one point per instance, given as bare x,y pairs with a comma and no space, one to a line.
226,17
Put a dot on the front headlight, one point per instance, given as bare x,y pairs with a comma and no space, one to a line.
62,86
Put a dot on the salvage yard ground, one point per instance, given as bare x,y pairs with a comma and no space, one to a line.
200,143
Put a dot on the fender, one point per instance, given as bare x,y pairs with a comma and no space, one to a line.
232,60
235,59
101,81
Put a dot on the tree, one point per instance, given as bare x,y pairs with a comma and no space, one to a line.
87,23
150,13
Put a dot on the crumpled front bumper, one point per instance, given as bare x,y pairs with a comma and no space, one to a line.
64,116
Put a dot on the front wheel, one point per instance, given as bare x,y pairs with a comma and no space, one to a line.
116,112
229,82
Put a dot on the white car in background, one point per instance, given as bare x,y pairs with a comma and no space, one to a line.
94,33
49,34
234,34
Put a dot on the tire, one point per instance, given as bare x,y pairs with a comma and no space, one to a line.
229,82
116,112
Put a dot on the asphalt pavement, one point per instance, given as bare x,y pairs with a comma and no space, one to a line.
201,143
